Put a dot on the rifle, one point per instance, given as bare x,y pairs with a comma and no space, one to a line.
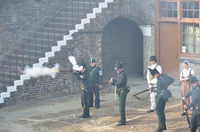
63,70
159,99
188,120
102,83
198,120
142,92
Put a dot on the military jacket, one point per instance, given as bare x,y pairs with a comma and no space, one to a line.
84,77
121,81
163,82
95,74
195,92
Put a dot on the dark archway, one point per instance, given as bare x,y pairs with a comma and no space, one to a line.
122,40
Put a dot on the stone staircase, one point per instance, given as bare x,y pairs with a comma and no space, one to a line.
48,39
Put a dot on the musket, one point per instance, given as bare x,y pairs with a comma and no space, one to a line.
188,120
159,99
198,120
64,70
142,91
102,83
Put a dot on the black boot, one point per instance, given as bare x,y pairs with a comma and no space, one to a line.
183,114
120,124
84,116
150,111
159,130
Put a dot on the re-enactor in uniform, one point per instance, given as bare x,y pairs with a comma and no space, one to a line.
162,96
121,90
152,82
195,104
95,78
83,75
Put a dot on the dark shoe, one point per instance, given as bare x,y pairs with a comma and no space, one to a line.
150,111
183,114
91,106
159,130
84,116
164,128
97,107
120,124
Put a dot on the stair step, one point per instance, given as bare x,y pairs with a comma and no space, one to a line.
53,31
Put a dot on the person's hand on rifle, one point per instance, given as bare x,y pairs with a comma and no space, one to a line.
150,83
185,107
149,89
75,71
110,81
99,86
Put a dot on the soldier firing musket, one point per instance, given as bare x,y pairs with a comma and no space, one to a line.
83,76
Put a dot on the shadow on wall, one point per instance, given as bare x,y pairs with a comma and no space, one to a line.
122,40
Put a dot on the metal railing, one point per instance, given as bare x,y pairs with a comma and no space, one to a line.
46,36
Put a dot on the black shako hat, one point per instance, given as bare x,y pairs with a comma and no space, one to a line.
193,79
92,60
118,65
153,58
153,71
83,64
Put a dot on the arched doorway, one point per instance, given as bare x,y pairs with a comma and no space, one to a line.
122,40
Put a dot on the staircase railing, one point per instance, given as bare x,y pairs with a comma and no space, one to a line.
43,39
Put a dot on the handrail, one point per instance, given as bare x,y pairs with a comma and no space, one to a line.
36,31
42,40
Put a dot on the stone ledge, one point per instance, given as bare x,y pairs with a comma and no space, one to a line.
191,60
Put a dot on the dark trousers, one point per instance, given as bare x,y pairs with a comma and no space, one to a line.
94,90
84,102
160,113
194,121
122,106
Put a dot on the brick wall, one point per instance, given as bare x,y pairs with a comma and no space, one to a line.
94,41
20,18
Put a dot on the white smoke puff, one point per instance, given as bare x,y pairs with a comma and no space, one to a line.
75,67
41,71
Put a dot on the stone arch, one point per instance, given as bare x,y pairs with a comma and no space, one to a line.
134,11
111,17
122,40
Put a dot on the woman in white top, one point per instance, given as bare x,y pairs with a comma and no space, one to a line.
186,86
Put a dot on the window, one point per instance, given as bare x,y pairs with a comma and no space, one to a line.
190,9
184,13
190,38
168,9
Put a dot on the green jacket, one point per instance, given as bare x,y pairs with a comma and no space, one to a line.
195,92
84,77
163,82
95,74
121,81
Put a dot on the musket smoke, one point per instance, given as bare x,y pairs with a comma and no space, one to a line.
75,67
41,71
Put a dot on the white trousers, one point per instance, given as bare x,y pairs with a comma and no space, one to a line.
153,100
